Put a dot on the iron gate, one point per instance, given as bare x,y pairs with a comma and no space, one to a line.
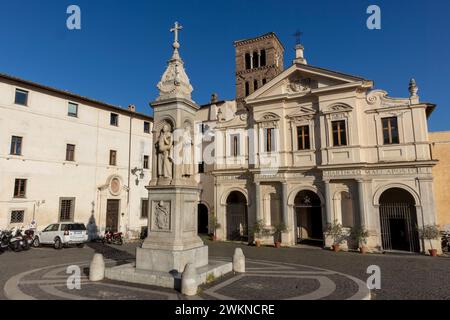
399,227
237,222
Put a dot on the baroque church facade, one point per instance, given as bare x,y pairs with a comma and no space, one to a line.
302,147
308,147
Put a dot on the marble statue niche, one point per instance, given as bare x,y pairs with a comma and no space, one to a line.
187,169
164,150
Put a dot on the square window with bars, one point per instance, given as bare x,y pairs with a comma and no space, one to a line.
17,216
112,157
70,152
16,146
20,187
66,209
114,119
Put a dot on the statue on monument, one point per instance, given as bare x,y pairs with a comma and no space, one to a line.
188,168
164,149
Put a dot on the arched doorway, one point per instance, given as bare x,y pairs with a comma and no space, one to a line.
308,209
237,229
202,220
398,221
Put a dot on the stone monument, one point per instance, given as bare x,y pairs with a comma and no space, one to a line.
173,240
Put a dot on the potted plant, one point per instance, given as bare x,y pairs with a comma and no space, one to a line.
336,231
256,231
360,235
215,225
430,232
277,232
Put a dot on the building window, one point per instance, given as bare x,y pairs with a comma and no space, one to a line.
201,167
70,152
66,209
114,121
390,130
16,146
144,208
112,157
235,149
21,97
17,216
146,127
146,162
269,139
339,133
248,63
255,60
263,58
20,188
303,138
72,110
255,85
247,88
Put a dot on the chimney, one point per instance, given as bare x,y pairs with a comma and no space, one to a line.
132,108
299,54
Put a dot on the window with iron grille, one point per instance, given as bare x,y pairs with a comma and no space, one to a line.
146,127
21,97
144,208
146,162
17,216
114,120
112,157
66,209
20,187
70,152
16,146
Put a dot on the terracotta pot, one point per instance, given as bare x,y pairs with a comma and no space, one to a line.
336,248
278,244
433,252
258,243
363,250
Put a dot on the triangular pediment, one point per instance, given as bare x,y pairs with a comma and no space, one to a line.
302,79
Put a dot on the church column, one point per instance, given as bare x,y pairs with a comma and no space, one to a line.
259,212
362,210
284,204
328,202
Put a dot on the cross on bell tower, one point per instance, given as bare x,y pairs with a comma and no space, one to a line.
298,34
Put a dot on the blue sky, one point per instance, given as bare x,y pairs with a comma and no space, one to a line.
121,52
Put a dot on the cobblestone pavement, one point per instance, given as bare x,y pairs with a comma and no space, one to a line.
287,273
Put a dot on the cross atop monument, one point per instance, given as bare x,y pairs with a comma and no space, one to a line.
175,30
298,34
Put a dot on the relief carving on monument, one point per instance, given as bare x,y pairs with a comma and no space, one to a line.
161,220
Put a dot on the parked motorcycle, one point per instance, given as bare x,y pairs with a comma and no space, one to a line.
113,238
5,237
18,241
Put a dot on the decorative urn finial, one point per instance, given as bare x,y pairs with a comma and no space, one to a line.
413,89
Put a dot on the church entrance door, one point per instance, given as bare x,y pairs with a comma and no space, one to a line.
308,209
237,217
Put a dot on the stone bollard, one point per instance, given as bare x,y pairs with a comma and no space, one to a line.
97,268
189,286
239,261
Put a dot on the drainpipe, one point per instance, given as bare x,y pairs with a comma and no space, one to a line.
131,108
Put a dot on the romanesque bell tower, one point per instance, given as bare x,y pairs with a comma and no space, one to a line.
258,60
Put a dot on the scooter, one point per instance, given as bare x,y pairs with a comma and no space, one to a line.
5,237
113,238
18,242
